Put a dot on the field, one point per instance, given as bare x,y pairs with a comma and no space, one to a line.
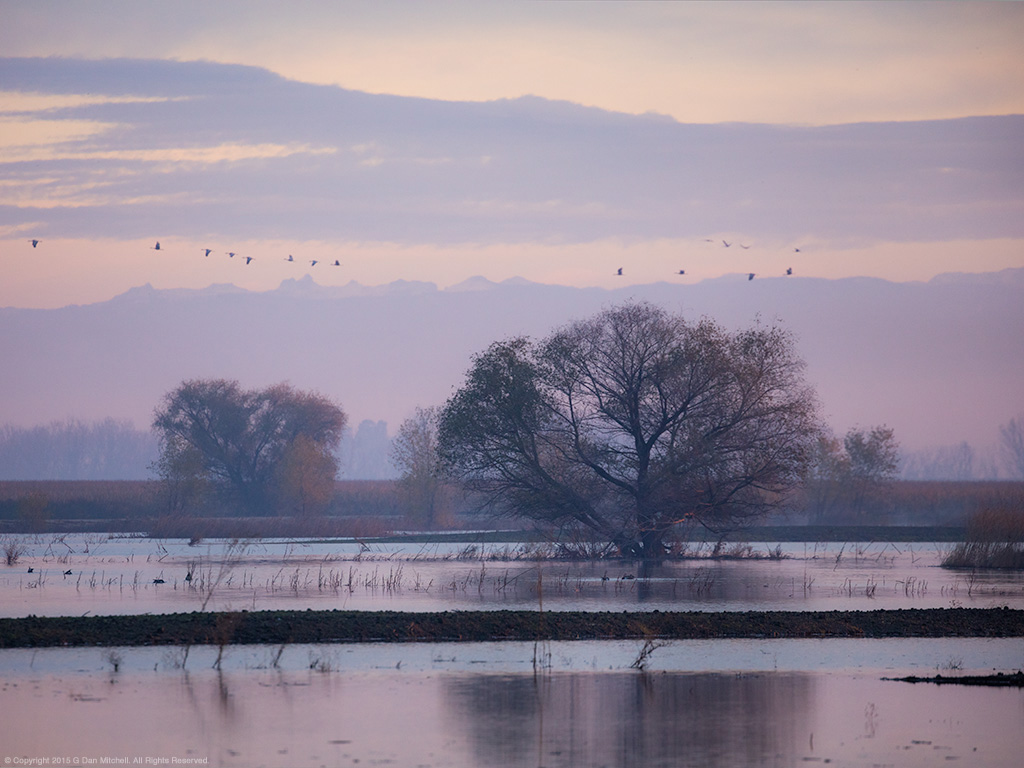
934,511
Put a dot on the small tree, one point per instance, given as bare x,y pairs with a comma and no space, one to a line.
1011,437
414,453
874,462
850,474
243,436
631,422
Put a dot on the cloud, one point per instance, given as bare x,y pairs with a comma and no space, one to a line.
197,147
809,62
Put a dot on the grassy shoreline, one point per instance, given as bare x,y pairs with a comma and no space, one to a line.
277,627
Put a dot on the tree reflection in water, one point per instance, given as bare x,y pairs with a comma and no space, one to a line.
631,719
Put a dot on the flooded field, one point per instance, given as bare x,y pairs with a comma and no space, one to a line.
96,574
720,703
698,703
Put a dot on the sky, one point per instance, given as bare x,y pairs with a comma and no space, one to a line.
553,141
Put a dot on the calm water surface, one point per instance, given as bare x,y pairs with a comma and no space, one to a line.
700,703
132,575
729,703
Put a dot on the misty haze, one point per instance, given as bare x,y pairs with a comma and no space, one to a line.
564,384
945,382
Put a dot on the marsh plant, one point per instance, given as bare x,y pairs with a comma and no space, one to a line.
320,664
994,539
12,548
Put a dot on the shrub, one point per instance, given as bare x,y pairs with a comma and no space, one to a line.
12,549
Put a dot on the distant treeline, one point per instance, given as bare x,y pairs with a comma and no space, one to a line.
117,450
74,450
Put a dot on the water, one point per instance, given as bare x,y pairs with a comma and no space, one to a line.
117,575
726,703
699,703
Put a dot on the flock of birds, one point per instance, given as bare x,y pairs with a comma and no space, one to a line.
337,263
208,251
248,259
727,244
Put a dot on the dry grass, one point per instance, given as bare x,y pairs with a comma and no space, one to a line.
995,539
925,502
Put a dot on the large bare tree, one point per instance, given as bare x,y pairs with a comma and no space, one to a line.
633,421
249,440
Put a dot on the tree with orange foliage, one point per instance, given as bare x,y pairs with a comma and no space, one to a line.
249,441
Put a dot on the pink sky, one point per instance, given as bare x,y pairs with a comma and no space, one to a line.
84,159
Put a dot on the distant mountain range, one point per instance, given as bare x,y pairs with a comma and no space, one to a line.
941,361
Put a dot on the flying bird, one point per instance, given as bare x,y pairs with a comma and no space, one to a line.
619,272
744,247
750,277
34,243
796,250
231,254
789,271
156,247
314,262
290,258
726,244
682,271
206,251
336,263
248,259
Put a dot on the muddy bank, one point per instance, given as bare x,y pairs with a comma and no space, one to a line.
276,627
1016,680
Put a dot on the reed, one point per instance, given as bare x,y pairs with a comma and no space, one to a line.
994,539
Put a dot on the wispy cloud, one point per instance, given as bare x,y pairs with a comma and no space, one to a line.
243,152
